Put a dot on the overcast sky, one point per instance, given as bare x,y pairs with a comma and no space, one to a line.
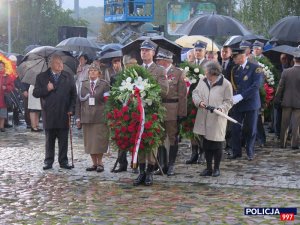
69,4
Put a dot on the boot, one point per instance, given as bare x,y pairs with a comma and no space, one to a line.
209,157
123,163
217,158
201,159
172,159
141,177
194,156
149,175
162,159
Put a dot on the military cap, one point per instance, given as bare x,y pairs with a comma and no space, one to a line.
200,44
258,44
148,44
245,44
237,51
164,54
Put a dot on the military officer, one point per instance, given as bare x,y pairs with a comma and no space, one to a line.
148,48
246,80
258,49
197,155
247,45
176,104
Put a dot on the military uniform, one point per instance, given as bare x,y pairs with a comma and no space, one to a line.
159,74
246,83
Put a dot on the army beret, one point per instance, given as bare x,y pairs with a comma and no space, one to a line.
200,44
148,44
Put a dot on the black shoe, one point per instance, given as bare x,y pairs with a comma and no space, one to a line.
234,156
295,147
216,173
194,156
36,130
66,166
47,167
206,173
120,169
149,179
140,179
2,130
100,168
92,168
171,171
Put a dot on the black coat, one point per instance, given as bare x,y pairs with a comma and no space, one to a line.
58,102
227,71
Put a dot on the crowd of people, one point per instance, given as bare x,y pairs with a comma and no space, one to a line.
230,85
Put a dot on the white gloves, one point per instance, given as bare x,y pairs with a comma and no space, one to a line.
237,98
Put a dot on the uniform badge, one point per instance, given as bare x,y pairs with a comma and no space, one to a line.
247,67
245,78
258,70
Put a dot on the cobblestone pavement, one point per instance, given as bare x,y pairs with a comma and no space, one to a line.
29,195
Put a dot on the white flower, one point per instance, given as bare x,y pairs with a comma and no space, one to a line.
266,68
201,76
128,79
148,101
193,81
196,70
186,68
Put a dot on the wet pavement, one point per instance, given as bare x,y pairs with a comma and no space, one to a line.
29,195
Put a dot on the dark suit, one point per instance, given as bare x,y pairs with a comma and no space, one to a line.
227,70
55,106
246,82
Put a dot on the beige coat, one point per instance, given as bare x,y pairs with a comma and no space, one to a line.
211,125
91,114
177,92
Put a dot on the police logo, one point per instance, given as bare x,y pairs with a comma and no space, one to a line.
258,70
245,78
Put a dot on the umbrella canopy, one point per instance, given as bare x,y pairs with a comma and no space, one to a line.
188,41
234,41
133,48
274,53
213,25
110,51
79,44
29,48
287,29
36,62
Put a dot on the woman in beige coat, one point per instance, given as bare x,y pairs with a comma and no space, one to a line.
212,90
90,115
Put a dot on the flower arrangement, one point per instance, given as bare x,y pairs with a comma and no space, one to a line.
123,116
10,69
193,75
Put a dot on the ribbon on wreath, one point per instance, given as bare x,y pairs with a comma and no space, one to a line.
140,130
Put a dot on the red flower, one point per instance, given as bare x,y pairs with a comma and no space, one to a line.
135,116
193,112
125,108
119,143
109,115
144,135
148,125
123,129
131,129
154,117
150,134
126,117
119,114
151,142
157,130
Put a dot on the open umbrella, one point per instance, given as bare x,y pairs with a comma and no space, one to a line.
287,29
188,41
274,53
29,48
110,51
36,62
213,25
79,44
234,41
133,48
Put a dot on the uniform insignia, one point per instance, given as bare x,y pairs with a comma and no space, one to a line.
247,67
245,77
258,70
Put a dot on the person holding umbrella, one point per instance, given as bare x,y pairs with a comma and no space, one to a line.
57,91
216,91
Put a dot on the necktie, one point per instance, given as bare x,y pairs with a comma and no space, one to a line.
146,67
55,76
223,65
92,88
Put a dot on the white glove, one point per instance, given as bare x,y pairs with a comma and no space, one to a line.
237,98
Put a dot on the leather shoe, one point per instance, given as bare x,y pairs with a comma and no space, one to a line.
149,179
66,166
140,179
121,168
234,156
206,173
216,173
92,168
47,167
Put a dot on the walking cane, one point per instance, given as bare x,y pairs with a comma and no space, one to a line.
71,137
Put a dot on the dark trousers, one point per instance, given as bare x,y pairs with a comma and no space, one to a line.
213,151
277,120
248,119
261,135
26,111
62,136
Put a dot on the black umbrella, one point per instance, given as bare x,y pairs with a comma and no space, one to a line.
110,51
213,25
29,48
274,53
133,48
79,44
36,62
234,41
287,29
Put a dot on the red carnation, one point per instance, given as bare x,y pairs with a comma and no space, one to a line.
144,135
125,108
154,117
193,112
148,125
119,114
123,129
131,128
126,117
119,143
150,134
109,115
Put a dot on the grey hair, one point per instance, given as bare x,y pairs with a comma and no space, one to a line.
54,56
213,68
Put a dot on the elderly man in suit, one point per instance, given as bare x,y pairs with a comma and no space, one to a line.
148,48
245,79
288,95
57,91
176,105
